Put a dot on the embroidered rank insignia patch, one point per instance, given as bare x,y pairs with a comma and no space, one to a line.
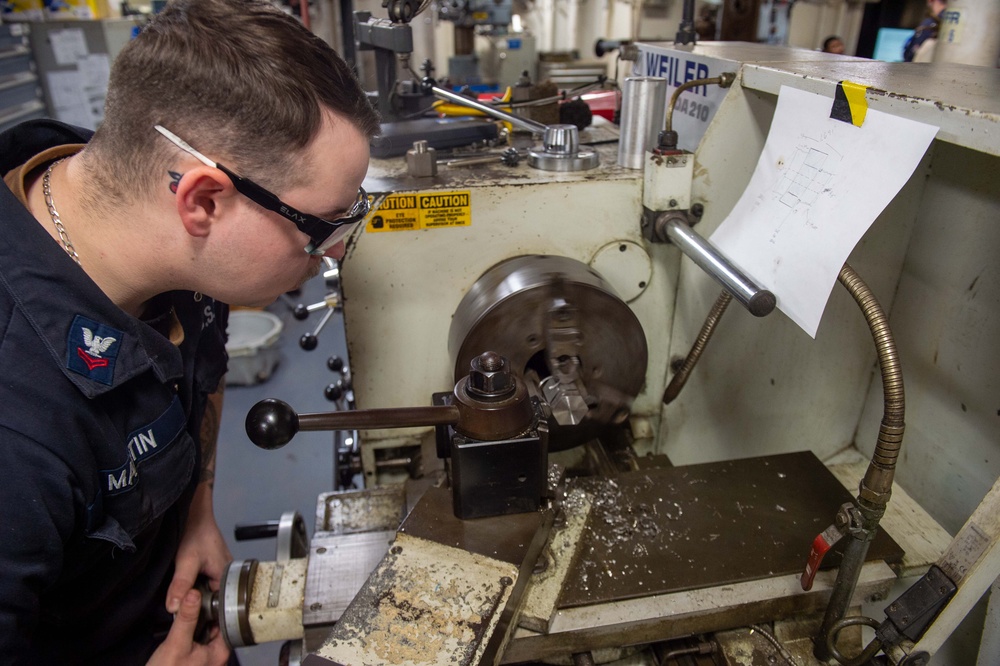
92,349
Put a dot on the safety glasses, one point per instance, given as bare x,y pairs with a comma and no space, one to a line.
323,234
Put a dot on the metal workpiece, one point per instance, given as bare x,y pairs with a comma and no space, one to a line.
566,400
564,390
421,160
446,592
758,301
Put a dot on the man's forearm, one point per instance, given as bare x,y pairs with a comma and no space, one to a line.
209,435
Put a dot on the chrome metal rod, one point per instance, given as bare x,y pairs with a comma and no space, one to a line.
759,301
516,121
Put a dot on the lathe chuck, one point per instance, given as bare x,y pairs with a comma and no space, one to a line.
553,317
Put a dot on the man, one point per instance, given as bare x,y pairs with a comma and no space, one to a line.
925,32
833,44
116,261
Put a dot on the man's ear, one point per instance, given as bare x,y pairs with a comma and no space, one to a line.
202,193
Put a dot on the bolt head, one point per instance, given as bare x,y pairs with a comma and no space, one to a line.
489,375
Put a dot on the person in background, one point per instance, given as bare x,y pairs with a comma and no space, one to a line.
833,44
230,159
927,30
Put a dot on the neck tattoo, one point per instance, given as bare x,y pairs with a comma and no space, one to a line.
54,214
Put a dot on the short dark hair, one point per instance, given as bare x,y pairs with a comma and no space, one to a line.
830,40
240,80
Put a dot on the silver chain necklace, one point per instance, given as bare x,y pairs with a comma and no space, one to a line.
54,214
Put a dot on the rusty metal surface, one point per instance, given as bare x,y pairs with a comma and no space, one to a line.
658,531
357,511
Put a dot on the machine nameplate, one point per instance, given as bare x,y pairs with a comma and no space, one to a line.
411,211
696,108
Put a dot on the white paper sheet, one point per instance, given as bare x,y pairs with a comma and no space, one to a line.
817,188
69,99
68,45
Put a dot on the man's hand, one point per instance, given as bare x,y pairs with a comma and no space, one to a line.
180,646
202,551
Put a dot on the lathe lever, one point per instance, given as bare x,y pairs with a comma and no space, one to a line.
821,545
759,301
271,423
825,541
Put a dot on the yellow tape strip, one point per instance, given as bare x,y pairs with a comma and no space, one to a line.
855,94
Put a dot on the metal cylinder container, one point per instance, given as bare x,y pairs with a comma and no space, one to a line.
644,101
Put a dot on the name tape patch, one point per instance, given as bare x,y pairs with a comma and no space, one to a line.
141,445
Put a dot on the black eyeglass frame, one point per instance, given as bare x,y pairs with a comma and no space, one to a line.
319,230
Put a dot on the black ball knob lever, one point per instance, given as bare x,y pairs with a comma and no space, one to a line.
271,424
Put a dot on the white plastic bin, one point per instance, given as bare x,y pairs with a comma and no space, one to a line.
251,346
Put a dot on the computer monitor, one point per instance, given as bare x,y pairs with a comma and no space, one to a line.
889,44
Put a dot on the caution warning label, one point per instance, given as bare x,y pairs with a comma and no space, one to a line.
425,210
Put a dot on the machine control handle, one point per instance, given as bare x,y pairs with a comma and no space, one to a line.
271,423
821,545
290,530
759,301
254,531
847,520
516,121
